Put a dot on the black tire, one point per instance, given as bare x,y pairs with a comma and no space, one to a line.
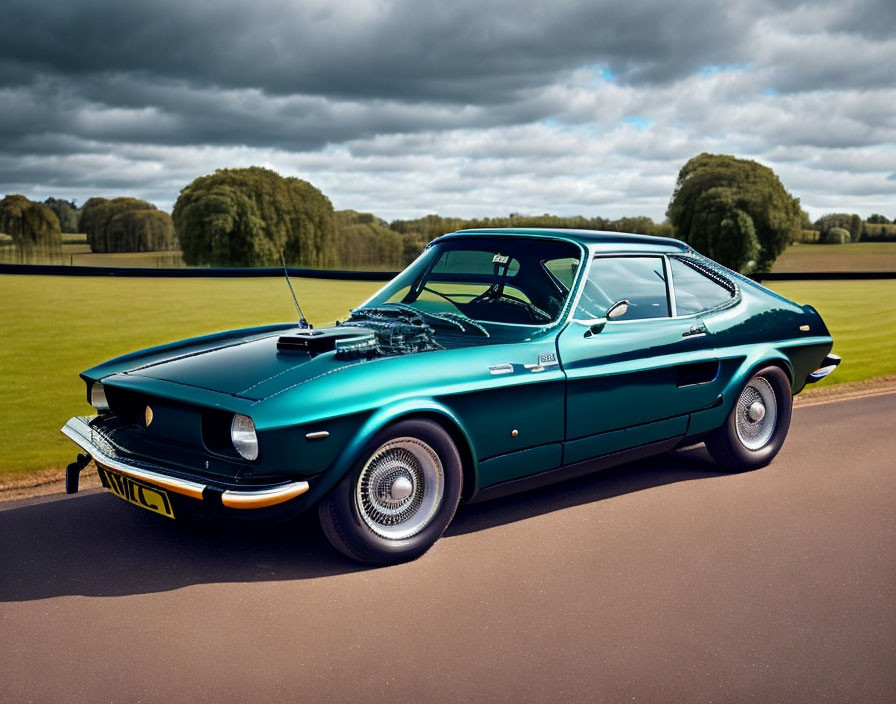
745,442
362,518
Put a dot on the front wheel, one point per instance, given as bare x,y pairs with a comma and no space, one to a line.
399,498
756,428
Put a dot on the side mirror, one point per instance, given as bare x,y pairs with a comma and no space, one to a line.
617,310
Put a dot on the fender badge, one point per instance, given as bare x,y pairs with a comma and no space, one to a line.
546,360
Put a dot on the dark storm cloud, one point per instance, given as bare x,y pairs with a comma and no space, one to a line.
529,106
875,19
462,51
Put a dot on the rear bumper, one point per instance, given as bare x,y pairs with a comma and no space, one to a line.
105,454
826,367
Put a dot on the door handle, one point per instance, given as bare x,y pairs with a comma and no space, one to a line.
695,331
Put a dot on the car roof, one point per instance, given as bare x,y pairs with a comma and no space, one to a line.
590,239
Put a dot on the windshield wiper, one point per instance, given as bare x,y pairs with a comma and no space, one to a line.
461,318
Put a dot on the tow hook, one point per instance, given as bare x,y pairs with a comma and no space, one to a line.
72,472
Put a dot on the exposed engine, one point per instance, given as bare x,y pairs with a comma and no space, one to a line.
369,333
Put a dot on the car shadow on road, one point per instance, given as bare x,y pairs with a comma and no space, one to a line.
94,545
684,465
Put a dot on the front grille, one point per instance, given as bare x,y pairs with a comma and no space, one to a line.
166,421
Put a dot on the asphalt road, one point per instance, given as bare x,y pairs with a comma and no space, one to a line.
662,581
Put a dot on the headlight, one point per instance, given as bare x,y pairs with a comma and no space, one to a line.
242,434
98,397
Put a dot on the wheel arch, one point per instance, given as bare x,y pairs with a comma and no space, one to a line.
753,363
781,361
427,409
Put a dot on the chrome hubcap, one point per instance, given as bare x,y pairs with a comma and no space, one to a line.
400,488
757,414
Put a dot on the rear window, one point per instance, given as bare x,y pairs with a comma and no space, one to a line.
695,291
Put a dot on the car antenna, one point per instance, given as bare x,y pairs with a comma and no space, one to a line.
302,322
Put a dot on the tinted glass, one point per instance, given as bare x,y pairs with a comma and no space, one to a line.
489,279
639,280
694,291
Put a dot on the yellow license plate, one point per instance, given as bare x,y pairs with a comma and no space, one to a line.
136,492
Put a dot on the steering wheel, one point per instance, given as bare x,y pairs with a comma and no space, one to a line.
536,313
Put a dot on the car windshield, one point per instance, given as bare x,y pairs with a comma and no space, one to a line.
515,281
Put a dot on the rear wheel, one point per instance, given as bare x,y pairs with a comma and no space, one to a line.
756,428
399,498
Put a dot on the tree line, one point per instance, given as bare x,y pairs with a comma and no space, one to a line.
734,210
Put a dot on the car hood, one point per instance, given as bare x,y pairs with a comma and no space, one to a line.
252,369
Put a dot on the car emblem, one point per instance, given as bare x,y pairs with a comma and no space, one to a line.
147,416
548,359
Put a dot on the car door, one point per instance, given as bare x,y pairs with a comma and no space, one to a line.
633,380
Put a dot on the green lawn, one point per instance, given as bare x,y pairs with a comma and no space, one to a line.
55,327
861,316
857,256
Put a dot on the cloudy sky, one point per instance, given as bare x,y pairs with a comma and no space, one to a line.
468,107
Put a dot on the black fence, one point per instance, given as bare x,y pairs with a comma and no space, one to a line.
347,275
823,276
188,273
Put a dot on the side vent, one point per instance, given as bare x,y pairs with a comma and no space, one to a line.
697,373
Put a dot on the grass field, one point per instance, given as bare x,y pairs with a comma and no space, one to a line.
55,327
857,256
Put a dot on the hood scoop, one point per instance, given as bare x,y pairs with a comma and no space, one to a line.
349,343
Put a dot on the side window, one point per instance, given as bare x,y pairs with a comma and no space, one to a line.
695,291
640,280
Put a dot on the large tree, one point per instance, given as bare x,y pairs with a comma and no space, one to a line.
362,240
140,231
67,212
851,222
126,225
31,225
733,210
248,217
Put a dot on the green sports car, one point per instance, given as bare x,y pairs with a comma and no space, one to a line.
499,360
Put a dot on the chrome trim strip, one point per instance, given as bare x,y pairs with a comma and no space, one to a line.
497,369
81,434
317,435
266,497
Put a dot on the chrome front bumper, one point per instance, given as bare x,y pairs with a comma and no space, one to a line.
79,431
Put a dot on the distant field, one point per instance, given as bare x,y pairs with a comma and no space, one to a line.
857,256
76,251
